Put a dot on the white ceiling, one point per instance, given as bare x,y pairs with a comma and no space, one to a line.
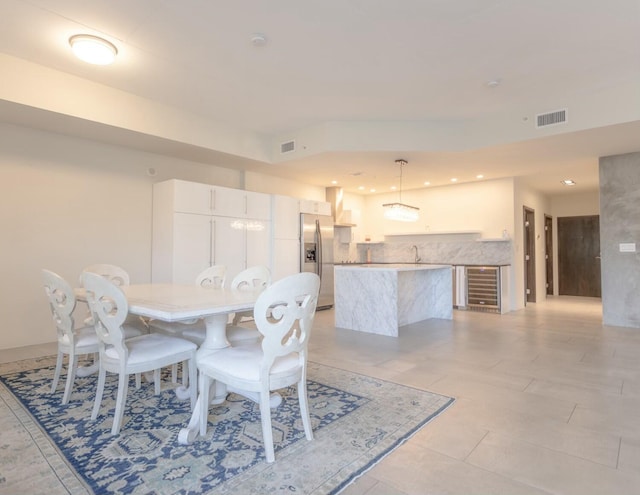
408,64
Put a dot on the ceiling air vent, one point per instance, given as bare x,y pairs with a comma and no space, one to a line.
288,147
551,118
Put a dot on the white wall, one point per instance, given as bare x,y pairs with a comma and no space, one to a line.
66,203
485,206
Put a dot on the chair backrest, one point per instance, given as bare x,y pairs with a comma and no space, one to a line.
113,273
109,308
284,315
252,278
62,302
214,277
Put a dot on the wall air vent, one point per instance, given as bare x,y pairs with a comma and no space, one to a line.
551,118
288,147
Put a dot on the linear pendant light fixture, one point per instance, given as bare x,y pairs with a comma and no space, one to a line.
92,49
400,211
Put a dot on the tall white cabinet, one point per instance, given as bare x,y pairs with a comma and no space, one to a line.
286,236
198,225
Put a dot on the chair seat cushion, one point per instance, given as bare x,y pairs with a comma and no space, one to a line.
85,337
243,362
151,347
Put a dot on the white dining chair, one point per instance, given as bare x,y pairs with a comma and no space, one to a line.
147,352
73,342
284,315
253,278
118,276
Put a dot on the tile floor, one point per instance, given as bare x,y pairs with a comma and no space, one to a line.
547,400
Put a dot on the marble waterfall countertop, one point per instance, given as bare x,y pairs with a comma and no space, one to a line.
379,298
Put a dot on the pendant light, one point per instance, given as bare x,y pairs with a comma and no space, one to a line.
400,211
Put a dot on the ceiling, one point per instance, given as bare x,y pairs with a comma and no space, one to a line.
453,87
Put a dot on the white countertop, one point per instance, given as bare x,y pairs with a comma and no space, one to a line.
397,267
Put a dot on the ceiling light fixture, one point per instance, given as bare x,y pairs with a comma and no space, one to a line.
400,211
568,182
92,49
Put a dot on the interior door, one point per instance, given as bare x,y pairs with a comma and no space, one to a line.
529,255
579,256
548,252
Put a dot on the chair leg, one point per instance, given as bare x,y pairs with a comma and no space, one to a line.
265,418
71,376
56,373
156,381
123,385
204,383
186,376
99,391
304,408
174,373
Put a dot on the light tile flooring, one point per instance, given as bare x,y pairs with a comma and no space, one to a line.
547,400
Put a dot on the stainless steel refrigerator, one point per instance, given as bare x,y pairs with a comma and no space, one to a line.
316,253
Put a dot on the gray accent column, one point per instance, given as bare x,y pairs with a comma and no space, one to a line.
620,223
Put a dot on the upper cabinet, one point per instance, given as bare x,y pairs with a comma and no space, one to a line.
317,207
205,199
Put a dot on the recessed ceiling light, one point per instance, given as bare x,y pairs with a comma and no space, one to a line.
427,183
361,188
454,179
479,176
568,182
494,83
258,39
393,188
92,49
334,182
372,190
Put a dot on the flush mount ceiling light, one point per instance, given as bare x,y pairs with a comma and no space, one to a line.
92,49
399,211
568,182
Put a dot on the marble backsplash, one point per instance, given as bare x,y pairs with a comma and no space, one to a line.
462,252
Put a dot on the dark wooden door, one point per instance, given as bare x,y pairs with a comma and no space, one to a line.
579,256
529,255
548,252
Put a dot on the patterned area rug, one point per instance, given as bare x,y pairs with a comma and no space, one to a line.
50,448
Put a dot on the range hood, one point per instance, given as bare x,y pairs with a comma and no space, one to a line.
341,217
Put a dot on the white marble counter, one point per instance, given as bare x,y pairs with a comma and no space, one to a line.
381,298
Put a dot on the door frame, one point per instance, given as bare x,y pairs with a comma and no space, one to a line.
529,253
548,253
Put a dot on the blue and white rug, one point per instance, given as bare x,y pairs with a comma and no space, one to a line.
357,420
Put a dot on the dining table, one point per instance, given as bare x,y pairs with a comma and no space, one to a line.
183,302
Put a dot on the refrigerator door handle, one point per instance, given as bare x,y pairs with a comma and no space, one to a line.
318,249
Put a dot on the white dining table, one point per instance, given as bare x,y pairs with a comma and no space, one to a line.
176,302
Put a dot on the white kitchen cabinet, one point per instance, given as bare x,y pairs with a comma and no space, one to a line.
185,243
317,207
257,205
286,258
205,199
286,236
286,217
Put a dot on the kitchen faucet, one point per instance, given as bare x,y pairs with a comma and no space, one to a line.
417,257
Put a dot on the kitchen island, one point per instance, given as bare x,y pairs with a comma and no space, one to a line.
381,298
